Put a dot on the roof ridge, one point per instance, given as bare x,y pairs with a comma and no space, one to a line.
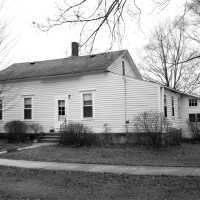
81,56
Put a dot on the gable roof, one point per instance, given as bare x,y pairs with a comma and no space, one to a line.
74,65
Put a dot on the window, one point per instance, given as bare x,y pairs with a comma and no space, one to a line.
194,117
61,110
123,68
172,106
165,105
198,117
28,108
87,105
1,109
192,102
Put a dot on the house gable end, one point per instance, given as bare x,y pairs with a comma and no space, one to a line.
130,67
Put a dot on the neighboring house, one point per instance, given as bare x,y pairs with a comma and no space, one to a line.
104,91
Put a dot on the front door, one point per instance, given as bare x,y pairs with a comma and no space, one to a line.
61,111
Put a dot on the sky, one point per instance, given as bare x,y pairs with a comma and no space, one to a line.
31,44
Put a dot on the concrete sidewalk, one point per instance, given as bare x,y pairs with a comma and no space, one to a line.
33,146
99,168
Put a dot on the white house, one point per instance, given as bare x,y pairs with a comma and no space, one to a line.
104,91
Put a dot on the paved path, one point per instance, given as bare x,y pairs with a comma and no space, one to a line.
116,169
33,146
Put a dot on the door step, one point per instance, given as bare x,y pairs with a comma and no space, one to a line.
52,138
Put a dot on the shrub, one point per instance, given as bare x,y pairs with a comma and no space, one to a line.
172,137
16,131
195,129
152,125
151,122
35,127
77,134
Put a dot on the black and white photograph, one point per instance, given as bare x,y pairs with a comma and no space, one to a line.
99,100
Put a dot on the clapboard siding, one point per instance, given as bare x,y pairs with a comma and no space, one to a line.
142,96
116,68
107,104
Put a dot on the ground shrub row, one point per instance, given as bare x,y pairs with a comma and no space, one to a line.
77,134
153,129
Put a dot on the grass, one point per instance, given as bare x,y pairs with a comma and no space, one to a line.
29,184
4,145
183,155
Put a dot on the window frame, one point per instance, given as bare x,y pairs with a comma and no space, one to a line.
193,102
65,109
82,105
31,108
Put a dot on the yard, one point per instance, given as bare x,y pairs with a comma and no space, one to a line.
4,145
183,155
26,184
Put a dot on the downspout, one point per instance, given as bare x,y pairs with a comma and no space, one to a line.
125,97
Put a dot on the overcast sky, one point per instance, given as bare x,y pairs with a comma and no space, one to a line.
31,44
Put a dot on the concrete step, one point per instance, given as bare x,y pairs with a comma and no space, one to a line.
49,140
50,136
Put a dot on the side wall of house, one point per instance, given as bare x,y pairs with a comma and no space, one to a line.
106,88
141,96
109,105
177,118
182,111
137,95
186,110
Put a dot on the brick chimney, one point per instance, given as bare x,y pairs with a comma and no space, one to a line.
75,47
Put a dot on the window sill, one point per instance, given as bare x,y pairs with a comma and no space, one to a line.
27,120
87,119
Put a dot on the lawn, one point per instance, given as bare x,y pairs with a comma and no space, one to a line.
183,155
4,145
29,184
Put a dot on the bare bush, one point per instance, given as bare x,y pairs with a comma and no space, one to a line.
151,121
37,128
77,134
152,125
195,128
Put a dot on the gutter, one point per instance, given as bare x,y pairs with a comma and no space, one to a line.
53,76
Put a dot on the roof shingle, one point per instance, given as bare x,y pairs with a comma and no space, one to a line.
64,66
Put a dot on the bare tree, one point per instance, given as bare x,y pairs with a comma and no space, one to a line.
95,17
6,43
167,58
